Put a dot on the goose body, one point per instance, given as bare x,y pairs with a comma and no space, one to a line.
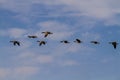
78,41
95,42
65,41
15,43
114,44
32,36
46,33
42,42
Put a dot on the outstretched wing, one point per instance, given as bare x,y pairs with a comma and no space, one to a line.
114,45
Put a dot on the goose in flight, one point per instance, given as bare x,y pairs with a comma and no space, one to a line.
114,44
78,41
42,42
32,36
46,33
15,43
65,41
95,42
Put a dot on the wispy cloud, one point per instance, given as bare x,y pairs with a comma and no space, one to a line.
68,63
94,8
44,59
90,36
32,58
97,9
13,32
4,72
103,9
29,58
18,72
26,70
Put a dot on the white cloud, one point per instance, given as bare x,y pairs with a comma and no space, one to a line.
4,72
32,58
106,10
2,33
68,63
26,54
75,48
16,6
106,60
16,32
94,8
113,21
53,26
72,48
44,59
21,72
90,36
13,32
26,70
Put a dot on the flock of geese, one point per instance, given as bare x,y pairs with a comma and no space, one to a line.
46,33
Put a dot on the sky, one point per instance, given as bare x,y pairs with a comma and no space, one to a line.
86,20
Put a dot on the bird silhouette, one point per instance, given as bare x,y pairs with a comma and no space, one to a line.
65,41
46,33
95,42
78,41
42,42
30,36
114,43
15,43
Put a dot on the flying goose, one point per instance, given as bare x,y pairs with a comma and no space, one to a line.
95,42
32,36
42,42
65,41
78,41
114,43
15,43
46,33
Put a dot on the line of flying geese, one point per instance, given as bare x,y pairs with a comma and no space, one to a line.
42,42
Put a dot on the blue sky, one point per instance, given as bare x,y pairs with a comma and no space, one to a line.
67,19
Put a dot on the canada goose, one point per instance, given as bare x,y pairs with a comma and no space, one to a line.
46,33
65,41
15,43
78,41
32,36
42,42
95,42
114,44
